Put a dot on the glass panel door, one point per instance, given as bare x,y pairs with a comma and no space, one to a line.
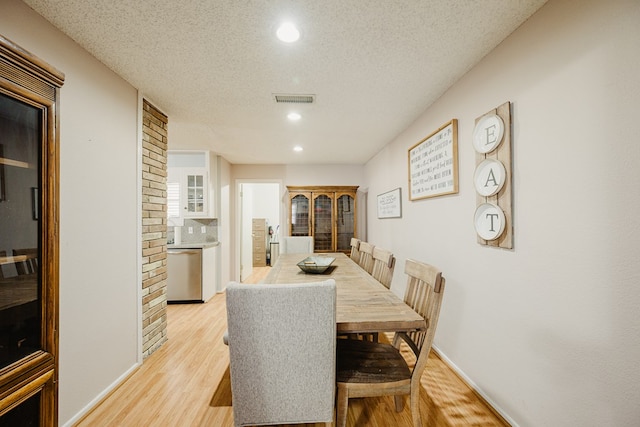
26,414
322,223
300,215
29,245
195,193
20,216
345,224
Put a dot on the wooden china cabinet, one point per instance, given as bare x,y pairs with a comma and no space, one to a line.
328,213
29,181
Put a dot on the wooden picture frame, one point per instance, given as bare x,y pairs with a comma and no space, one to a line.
433,164
390,204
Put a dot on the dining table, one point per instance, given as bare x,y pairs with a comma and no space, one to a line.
363,305
17,290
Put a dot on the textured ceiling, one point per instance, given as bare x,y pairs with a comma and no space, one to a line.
374,65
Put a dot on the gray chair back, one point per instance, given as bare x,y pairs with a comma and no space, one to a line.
296,245
282,347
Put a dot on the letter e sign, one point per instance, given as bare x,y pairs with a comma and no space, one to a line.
488,133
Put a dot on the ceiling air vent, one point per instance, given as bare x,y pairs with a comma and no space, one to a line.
287,98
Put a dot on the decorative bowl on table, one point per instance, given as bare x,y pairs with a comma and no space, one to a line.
316,264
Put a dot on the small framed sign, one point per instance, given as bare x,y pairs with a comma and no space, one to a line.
433,164
390,204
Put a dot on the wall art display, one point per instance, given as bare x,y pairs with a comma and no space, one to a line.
433,164
390,204
493,218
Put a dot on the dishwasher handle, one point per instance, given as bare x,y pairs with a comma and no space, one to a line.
183,251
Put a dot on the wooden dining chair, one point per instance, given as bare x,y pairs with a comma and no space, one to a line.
366,256
370,369
383,265
28,263
355,249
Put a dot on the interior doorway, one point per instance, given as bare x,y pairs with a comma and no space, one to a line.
258,199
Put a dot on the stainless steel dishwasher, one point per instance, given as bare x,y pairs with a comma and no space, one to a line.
184,275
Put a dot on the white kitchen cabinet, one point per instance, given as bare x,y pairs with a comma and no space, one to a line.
209,272
188,190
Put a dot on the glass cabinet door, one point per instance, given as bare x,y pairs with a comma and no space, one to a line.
20,284
345,221
29,245
332,220
195,194
322,223
300,215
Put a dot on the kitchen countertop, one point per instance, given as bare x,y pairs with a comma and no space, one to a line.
193,245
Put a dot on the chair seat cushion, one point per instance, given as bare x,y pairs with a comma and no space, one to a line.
369,362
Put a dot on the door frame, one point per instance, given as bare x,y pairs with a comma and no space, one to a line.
240,215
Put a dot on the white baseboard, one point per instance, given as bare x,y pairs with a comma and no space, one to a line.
84,411
474,386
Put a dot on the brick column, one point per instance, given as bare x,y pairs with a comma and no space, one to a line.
154,229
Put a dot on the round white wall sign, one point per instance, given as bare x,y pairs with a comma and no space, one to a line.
489,177
489,221
488,133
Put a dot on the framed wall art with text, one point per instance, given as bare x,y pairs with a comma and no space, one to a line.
433,164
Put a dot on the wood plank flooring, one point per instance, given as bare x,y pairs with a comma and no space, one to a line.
178,384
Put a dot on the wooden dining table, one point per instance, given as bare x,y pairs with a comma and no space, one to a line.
362,303
18,290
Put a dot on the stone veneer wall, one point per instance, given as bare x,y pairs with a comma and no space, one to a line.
154,229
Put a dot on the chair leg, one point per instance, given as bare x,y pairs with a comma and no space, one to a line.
396,341
415,406
399,402
342,406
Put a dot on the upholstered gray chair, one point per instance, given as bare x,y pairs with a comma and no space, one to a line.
282,347
296,245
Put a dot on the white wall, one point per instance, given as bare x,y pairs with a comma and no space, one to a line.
224,222
266,198
245,227
98,212
548,330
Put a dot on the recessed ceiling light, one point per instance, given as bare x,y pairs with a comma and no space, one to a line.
297,148
288,32
293,116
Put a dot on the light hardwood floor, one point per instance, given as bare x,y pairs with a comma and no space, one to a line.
178,384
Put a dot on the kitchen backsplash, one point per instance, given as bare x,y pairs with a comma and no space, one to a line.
200,230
